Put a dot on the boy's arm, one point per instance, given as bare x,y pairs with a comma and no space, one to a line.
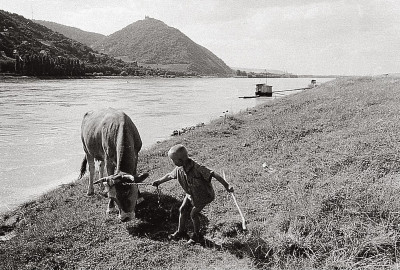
223,182
163,179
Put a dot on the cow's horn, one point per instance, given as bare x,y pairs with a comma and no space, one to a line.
102,180
137,178
128,177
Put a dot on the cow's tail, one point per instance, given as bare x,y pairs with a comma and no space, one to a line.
83,167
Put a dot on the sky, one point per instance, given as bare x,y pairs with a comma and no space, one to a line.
319,37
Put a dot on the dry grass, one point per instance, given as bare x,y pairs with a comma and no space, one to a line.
316,174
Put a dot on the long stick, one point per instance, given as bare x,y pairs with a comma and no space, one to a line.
237,206
240,212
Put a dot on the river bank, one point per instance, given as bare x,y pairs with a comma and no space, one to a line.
42,118
316,174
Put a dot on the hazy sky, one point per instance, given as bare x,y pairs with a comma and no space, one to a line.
342,37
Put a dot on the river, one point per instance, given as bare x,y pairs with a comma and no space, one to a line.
40,145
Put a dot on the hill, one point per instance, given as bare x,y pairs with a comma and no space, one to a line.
152,42
29,48
84,37
23,36
316,174
36,50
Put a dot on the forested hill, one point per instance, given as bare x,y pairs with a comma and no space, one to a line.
29,48
151,41
84,37
23,36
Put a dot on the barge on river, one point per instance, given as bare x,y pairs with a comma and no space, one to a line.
262,89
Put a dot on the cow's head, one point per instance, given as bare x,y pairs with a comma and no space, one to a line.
121,188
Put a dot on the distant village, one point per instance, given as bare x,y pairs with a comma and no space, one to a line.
252,74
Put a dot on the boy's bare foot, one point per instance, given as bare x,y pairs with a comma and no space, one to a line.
177,235
196,238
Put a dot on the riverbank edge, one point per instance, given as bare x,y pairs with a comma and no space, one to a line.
258,138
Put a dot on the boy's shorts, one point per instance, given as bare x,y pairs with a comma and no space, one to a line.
189,197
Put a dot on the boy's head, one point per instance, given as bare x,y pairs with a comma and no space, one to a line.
178,154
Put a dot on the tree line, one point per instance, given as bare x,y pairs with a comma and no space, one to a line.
42,65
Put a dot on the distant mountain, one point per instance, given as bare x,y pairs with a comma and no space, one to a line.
152,42
84,37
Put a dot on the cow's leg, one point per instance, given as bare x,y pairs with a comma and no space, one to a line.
90,161
110,167
101,173
110,171
101,169
139,178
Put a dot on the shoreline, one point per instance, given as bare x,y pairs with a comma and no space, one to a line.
71,178
47,186
50,187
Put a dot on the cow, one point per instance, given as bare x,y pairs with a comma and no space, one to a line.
110,136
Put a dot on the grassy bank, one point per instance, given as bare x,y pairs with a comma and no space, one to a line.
316,174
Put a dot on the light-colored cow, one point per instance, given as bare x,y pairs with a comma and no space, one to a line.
111,137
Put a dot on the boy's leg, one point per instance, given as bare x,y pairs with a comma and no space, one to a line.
195,216
184,212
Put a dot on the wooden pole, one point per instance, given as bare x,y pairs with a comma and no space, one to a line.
237,206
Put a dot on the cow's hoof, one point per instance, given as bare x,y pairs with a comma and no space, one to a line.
112,211
125,219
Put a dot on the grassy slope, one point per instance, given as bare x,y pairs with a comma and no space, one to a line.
326,196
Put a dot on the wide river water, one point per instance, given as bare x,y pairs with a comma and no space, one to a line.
40,145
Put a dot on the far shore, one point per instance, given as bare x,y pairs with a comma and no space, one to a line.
5,76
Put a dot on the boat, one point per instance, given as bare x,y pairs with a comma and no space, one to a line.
262,89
